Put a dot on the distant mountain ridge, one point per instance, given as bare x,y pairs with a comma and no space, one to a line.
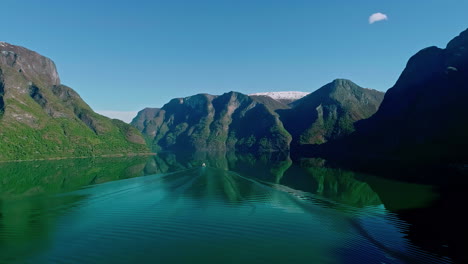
286,97
257,123
41,118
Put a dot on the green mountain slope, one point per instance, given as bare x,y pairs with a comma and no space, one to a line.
41,118
232,121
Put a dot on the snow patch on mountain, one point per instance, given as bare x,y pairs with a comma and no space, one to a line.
289,95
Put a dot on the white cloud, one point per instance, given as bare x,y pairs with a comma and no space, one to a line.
377,17
125,116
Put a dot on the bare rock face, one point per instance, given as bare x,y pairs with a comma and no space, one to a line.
41,118
32,65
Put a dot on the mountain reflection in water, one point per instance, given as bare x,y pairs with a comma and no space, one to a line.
240,208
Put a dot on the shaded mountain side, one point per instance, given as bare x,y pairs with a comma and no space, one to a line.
232,121
40,118
330,112
423,116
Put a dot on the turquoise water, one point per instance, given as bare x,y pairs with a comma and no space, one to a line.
169,209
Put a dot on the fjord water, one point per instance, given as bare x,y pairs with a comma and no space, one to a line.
237,209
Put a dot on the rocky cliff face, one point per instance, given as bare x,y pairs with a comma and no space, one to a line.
33,66
330,112
423,116
232,121
41,118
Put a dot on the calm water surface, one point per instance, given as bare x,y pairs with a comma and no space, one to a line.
238,209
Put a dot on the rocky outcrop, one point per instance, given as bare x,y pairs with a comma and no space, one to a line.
31,65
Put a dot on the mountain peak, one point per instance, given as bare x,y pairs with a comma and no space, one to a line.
233,94
29,63
329,112
458,41
335,89
342,81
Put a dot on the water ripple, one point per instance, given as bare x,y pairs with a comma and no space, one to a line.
204,215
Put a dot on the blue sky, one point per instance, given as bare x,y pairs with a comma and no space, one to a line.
127,55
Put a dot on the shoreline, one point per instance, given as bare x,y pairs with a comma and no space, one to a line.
122,155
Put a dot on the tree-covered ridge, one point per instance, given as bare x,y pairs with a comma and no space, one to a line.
41,118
